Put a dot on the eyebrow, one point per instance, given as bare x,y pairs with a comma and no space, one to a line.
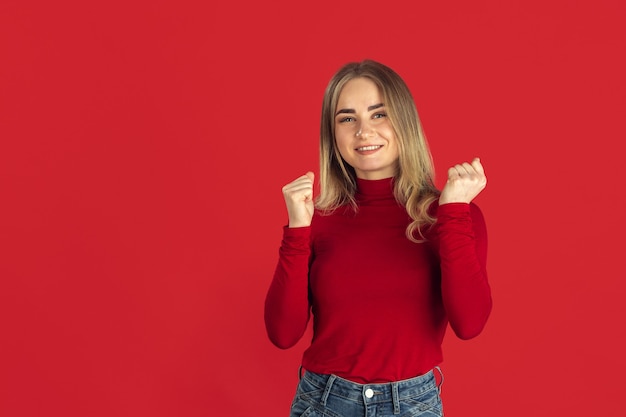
352,111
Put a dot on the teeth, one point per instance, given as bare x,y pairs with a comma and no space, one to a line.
369,148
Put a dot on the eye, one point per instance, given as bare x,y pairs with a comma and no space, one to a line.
346,119
379,115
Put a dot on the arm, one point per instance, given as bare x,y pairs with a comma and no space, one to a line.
462,236
287,307
463,250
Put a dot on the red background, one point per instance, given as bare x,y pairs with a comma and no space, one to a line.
144,145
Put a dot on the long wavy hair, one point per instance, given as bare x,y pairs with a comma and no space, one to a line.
414,180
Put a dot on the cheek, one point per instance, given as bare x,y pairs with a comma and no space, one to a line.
343,151
343,143
394,145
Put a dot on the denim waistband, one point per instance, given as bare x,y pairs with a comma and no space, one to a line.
374,393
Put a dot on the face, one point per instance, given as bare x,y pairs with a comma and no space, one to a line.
363,133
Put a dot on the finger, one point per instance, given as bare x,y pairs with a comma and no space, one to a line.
468,168
453,173
304,179
461,170
295,190
478,166
307,178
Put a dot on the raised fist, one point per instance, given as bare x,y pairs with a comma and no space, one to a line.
465,182
299,200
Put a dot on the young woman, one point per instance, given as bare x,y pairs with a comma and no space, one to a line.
382,259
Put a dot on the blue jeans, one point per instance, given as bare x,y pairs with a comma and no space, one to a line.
331,396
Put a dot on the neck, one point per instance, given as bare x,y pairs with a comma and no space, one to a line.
374,190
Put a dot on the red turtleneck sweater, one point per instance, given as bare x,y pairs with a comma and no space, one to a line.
381,303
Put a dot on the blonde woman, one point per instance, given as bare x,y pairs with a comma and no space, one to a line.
382,260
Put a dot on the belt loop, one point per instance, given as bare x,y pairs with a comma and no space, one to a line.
441,380
396,398
329,385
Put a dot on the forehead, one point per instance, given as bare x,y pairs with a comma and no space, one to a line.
359,91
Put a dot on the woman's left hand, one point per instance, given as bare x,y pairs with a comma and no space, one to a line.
465,181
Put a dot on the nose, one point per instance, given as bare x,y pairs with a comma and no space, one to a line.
365,131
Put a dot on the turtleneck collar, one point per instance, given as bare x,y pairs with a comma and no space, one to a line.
374,190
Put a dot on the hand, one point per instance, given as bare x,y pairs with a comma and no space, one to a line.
299,199
465,181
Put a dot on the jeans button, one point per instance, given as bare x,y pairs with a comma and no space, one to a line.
369,393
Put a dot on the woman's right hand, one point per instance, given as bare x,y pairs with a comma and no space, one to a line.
299,200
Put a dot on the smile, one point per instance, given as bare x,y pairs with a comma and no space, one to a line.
369,148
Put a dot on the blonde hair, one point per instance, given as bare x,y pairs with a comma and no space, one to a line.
414,181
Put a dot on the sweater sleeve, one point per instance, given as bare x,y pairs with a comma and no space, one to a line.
462,236
287,309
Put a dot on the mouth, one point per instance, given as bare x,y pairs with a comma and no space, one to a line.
369,148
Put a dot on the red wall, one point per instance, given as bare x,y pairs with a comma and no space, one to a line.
143,146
